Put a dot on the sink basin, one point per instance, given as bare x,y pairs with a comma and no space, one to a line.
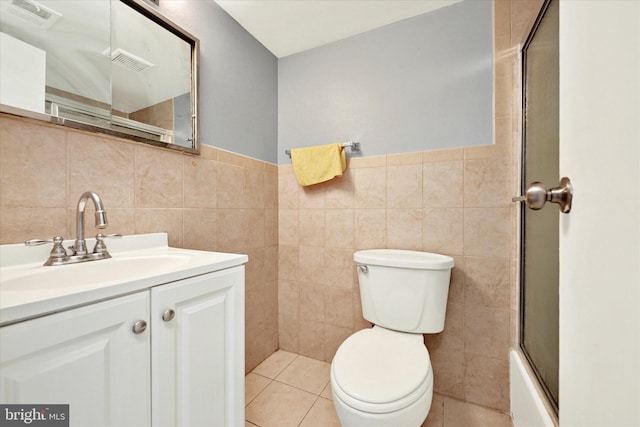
102,272
139,262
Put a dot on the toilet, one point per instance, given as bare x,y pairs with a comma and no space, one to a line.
382,376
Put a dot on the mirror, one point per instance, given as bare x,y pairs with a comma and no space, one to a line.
112,66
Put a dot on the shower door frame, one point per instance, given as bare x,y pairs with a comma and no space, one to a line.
553,404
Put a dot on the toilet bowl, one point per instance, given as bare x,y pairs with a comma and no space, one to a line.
382,377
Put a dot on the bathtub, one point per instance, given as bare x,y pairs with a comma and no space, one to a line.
529,407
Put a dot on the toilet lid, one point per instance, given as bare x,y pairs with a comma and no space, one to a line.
403,259
381,370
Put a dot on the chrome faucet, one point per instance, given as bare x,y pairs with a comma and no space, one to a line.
80,246
59,256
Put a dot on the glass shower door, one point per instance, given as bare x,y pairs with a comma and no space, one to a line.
540,228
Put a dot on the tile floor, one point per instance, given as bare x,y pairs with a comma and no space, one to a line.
288,390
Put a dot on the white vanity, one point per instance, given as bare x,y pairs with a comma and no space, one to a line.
153,336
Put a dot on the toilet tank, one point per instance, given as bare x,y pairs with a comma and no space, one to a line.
404,290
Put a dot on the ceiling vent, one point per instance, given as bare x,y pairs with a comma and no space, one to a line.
34,13
129,60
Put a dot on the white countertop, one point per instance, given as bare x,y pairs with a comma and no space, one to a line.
28,289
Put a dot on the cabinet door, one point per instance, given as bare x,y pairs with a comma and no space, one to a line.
198,355
88,357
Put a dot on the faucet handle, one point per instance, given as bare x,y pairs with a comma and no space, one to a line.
38,242
58,250
100,247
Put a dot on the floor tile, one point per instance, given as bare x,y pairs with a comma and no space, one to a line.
463,414
279,405
326,393
300,396
274,364
307,374
253,385
322,414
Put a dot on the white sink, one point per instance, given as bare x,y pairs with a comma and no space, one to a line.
75,276
28,289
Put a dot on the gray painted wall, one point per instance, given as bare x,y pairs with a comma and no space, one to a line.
238,80
422,83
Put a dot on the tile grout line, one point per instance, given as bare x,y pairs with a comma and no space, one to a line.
298,388
318,395
285,368
271,380
309,410
261,391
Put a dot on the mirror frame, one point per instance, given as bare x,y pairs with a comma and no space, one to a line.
154,15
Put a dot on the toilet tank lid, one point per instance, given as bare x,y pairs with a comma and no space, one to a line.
403,259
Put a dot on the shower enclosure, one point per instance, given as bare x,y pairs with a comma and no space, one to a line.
539,307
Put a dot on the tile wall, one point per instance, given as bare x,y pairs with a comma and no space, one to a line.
456,202
218,201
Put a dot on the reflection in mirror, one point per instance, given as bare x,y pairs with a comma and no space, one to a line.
114,66
151,87
68,37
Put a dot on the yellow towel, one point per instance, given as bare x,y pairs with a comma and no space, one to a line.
313,165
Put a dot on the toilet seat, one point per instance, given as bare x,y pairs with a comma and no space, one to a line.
379,371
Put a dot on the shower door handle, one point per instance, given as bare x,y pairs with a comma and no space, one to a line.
537,195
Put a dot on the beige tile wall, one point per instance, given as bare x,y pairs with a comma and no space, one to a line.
218,201
456,202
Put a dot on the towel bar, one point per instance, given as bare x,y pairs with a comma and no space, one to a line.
353,145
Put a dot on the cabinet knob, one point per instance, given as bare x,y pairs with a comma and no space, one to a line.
139,327
168,315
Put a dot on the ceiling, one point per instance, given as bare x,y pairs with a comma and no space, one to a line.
286,27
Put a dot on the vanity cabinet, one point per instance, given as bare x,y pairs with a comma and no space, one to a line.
87,357
185,368
197,351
